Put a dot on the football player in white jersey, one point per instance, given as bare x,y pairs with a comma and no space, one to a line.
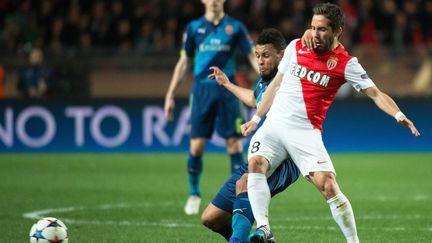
296,103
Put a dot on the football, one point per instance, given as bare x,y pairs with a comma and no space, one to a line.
49,230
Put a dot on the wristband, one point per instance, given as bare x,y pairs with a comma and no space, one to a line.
256,119
398,115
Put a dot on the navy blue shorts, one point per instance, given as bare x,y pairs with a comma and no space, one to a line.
215,108
286,174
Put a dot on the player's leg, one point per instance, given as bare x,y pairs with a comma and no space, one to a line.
339,204
242,212
285,174
265,154
202,120
217,216
217,220
311,157
259,197
194,165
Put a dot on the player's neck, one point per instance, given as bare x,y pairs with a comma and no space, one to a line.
335,45
214,17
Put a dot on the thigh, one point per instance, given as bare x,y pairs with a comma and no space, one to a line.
229,115
285,175
215,218
266,142
308,151
225,197
203,112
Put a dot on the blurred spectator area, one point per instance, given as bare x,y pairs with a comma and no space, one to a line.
128,48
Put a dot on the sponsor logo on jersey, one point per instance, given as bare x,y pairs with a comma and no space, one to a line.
214,45
303,52
310,75
229,29
332,62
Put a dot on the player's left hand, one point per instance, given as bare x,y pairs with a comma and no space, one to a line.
307,40
218,75
409,124
248,127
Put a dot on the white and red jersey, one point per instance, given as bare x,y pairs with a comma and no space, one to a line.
310,83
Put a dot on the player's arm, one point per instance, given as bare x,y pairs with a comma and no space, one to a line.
389,106
179,74
264,107
245,95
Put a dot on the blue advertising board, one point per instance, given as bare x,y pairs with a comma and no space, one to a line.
138,125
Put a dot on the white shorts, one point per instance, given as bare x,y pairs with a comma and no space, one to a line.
304,146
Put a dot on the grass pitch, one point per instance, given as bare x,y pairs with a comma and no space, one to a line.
140,198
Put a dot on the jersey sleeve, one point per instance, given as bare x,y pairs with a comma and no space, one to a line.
289,50
245,41
357,76
188,43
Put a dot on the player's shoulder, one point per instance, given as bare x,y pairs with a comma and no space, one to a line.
195,23
233,21
294,43
342,53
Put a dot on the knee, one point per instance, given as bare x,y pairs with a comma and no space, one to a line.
241,184
258,164
207,220
234,145
328,185
197,147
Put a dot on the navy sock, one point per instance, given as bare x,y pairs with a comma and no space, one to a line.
225,231
236,161
242,217
194,170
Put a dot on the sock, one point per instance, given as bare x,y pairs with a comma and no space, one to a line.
259,197
344,216
236,161
194,170
242,219
225,231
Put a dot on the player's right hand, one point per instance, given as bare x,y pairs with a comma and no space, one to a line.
218,75
409,124
248,128
169,108
307,40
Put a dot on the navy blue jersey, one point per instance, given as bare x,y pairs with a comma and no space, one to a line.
260,88
213,107
286,174
215,45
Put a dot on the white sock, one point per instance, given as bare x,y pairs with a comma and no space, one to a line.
344,216
259,198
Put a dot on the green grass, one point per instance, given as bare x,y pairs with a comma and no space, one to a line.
139,198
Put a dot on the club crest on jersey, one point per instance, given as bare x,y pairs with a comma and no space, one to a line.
229,29
331,62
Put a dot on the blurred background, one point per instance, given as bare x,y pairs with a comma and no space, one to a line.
115,58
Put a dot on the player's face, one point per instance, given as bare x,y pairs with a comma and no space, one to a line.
268,59
323,34
213,5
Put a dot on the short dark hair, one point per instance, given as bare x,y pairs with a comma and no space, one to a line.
332,12
272,36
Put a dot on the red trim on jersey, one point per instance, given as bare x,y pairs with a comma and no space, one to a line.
318,97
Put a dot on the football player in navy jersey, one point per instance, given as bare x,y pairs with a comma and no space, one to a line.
209,41
229,213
